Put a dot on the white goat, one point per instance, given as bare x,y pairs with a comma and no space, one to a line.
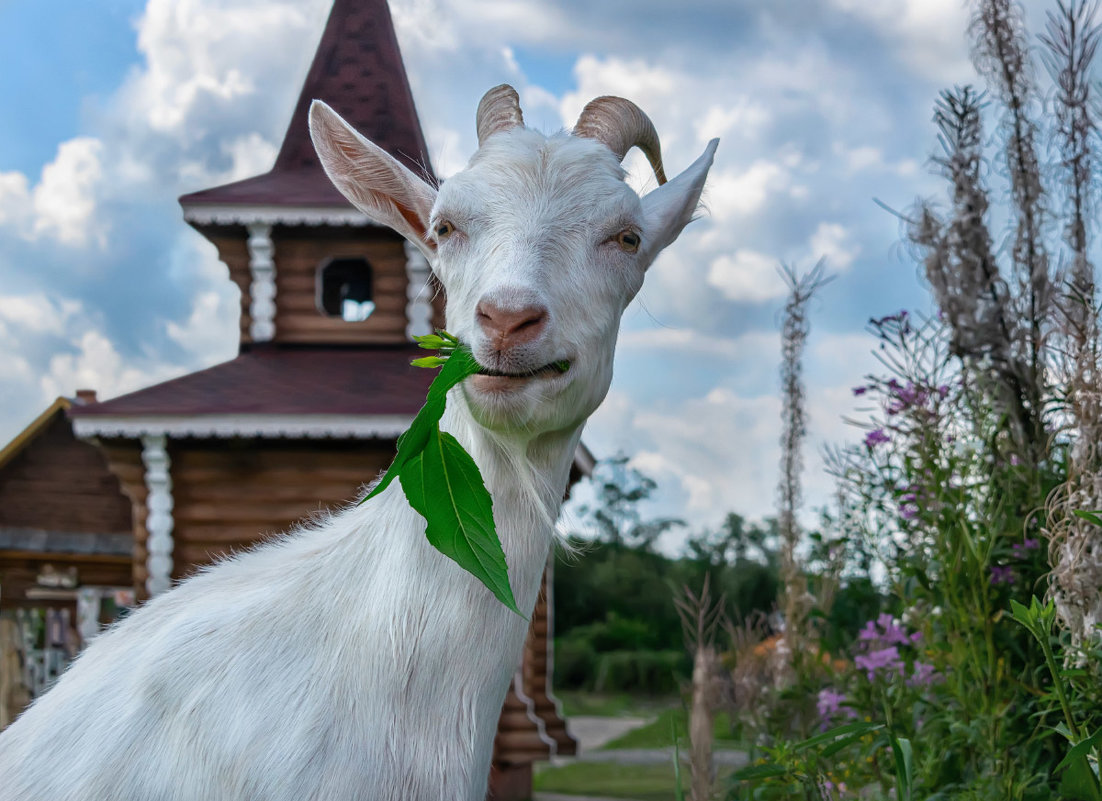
351,660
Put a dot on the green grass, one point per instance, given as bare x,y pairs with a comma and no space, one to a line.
642,782
607,779
614,705
660,733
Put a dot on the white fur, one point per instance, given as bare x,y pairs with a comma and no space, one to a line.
350,660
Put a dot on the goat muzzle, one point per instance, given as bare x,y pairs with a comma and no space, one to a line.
507,327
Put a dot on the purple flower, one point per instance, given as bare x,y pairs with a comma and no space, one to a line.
1015,459
830,704
870,632
1002,574
923,676
886,659
860,390
876,437
1028,544
908,511
943,390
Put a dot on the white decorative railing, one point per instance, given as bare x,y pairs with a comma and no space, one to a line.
418,293
262,291
158,521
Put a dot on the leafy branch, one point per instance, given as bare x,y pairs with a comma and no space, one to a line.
442,482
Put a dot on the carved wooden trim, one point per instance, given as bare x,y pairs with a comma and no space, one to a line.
159,515
276,426
273,215
418,293
262,292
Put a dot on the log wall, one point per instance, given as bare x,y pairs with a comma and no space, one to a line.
58,483
230,494
298,252
124,457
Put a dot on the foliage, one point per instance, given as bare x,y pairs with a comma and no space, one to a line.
442,482
979,447
1080,765
614,604
616,515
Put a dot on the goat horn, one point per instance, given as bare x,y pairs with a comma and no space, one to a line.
499,110
621,125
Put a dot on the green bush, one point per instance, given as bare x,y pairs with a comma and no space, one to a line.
650,672
575,663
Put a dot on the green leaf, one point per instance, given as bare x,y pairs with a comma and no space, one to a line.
431,342
859,727
904,766
429,361
1081,749
759,772
443,484
458,367
1078,781
1090,517
840,744
679,791
1022,614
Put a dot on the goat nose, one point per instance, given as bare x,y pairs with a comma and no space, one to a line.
507,327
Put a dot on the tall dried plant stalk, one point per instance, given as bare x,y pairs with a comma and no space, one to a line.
797,600
1075,544
960,265
701,617
1002,55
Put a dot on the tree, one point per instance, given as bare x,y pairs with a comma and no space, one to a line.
616,514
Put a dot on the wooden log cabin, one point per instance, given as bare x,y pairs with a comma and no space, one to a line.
311,407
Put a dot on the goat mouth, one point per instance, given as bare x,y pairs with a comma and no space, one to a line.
547,371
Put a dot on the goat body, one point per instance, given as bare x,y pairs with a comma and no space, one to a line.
349,659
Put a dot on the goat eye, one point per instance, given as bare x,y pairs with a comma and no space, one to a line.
628,241
444,229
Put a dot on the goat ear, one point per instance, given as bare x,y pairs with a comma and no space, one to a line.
670,207
372,179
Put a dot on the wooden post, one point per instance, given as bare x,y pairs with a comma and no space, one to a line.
13,695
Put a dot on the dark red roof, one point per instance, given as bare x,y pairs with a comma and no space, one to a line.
275,380
357,70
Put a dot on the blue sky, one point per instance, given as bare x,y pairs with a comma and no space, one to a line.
113,109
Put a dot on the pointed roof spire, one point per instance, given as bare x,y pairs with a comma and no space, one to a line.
357,70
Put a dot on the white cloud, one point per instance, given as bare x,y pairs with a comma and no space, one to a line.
211,329
97,365
833,242
742,117
868,157
646,84
719,451
197,51
62,205
36,313
64,200
679,342
929,34
15,199
744,192
747,276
